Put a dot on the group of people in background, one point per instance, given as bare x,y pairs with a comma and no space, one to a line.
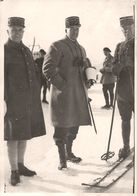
64,68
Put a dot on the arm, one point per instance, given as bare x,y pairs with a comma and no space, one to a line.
117,66
5,77
90,82
5,83
108,67
50,67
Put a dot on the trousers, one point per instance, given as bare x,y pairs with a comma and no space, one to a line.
64,135
108,93
125,110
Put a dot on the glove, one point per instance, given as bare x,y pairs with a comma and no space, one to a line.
102,70
90,83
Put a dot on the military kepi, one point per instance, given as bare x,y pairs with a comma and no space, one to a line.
127,20
72,21
16,21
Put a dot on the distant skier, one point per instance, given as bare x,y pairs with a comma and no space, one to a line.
108,79
124,68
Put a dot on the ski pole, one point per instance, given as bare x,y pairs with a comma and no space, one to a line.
89,100
109,154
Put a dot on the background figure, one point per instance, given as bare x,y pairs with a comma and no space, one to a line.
42,79
107,79
64,65
123,68
23,118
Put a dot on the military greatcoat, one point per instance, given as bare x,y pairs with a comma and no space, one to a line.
63,66
24,118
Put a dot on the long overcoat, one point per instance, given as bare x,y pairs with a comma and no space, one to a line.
24,118
63,66
123,68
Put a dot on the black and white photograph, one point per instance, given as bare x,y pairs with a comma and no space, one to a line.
67,91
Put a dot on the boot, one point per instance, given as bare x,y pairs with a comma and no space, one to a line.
15,178
124,152
62,156
25,171
70,156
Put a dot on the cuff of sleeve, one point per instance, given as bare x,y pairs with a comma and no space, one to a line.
58,82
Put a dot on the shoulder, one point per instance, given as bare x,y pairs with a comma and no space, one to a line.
57,46
7,45
111,57
27,50
25,47
58,43
119,44
118,47
81,47
83,50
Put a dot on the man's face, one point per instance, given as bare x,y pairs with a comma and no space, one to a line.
106,53
16,33
128,31
41,54
72,32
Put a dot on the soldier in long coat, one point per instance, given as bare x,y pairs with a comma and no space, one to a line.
108,79
24,117
123,68
64,66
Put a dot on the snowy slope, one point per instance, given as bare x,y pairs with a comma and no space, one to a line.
42,156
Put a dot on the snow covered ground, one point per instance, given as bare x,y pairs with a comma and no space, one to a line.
42,156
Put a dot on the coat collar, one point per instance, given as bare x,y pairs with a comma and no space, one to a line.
69,40
15,45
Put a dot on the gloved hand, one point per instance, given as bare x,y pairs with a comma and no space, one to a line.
90,83
102,70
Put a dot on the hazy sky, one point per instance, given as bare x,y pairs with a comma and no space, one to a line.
45,19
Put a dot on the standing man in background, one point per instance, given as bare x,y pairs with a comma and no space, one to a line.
124,69
23,112
108,79
43,81
64,67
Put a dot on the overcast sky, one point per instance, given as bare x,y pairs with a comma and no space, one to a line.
45,19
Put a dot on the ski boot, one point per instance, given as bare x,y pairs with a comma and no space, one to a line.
15,177
25,171
124,152
72,158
